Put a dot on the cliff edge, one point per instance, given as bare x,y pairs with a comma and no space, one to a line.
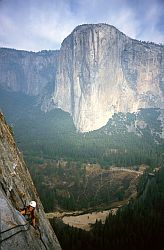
16,190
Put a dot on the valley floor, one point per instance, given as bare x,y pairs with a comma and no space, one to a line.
85,219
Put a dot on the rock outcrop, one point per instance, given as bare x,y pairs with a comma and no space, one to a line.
27,72
16,188
101,71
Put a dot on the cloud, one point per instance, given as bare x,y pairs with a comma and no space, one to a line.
40,24
37,25
153,16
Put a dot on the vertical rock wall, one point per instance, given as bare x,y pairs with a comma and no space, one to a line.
27,72
102,71
17,188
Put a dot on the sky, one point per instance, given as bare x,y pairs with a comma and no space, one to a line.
36,25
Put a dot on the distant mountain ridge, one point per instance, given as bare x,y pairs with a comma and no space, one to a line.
98,71
27,72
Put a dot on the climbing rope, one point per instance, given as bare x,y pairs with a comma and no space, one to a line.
40,236
1,240
22,230
14,228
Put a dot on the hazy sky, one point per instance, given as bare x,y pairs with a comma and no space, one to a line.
43,24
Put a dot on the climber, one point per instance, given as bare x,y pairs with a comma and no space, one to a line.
29,213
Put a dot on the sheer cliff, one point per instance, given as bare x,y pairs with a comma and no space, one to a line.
101,71
98,71
27,72
16,189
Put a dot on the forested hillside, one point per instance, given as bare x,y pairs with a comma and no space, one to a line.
52,135
138,225
57,155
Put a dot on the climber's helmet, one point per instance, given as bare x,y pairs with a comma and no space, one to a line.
32,204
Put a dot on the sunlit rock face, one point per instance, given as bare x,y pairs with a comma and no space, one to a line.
101,71
98,71
27,72
16,190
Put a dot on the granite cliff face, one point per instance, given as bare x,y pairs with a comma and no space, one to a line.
98,71
16,188
101,71
27,72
